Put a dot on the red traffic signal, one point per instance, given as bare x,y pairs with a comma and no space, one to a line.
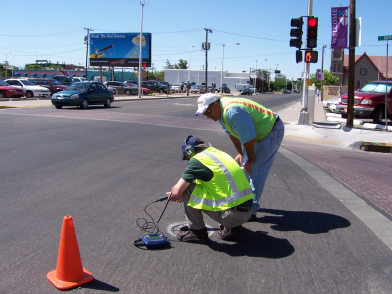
311,35
312,22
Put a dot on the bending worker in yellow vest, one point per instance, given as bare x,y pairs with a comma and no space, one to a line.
214,184
250,125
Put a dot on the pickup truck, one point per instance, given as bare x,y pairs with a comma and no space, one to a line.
369,102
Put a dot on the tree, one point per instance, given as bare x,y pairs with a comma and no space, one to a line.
34,67
168,65
280,82
182,64
329,79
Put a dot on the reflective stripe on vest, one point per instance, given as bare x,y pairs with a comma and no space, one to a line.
236,194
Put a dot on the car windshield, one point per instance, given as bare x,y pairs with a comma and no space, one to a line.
55,82
2,83
27,83
376,88
80,86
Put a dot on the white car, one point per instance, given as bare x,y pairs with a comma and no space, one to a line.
330,104
175,88
79,79
29,88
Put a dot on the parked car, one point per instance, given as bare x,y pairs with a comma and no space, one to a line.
369,102
198,89
166,84
132,84
155,86
330,104
175,88
122,88
286,91
225,90
246,91
29,89
53,85
7,91
295,91
83,94
79,79
65,80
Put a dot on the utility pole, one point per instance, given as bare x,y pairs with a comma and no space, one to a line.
86,39
351,68
139,78
206,48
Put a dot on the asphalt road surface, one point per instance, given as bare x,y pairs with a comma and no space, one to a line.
103,166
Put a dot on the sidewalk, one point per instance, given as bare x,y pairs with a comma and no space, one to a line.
331,129
326,128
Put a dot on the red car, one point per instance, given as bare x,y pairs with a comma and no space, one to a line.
7,91
369,102
145,90
53,85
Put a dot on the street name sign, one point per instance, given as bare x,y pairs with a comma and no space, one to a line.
385,38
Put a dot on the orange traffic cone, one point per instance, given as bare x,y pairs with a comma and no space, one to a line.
70,272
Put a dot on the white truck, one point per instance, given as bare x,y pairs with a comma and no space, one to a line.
239,87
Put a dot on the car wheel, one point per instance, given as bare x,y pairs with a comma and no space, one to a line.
2,95
378,115
128,92
108,103
84,104
29,94
58,106
161,91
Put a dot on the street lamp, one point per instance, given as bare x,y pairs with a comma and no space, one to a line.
254,88
223,56
269,75
6,64
86,39
139,80
322,70
189,71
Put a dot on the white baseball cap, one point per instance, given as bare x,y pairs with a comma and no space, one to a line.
204,101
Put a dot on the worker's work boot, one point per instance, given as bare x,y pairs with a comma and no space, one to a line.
193,236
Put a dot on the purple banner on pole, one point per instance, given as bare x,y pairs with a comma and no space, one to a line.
339,27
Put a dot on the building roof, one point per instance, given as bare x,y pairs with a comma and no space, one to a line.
379,62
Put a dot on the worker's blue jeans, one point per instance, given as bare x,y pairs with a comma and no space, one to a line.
265,151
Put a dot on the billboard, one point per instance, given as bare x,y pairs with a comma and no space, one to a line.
119,49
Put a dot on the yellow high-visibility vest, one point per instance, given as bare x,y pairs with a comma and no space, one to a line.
229,186
263,118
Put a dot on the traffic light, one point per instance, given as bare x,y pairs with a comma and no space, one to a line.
311,56
296,32
298,56
311,36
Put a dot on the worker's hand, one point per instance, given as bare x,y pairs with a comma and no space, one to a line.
248,165
238,158
176,198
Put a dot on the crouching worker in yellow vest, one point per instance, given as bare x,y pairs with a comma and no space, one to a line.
212,183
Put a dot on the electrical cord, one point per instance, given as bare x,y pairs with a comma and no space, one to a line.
149,226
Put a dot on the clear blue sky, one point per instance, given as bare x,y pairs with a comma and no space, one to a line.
54,30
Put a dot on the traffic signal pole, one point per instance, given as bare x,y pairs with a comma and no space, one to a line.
304,113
